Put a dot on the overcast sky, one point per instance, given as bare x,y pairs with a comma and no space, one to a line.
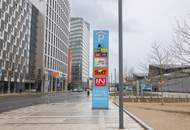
145,21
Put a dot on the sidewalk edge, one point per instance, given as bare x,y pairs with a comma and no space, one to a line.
136,119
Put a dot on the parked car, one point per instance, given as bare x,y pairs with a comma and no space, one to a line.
79,90
130,88
75,90
146,87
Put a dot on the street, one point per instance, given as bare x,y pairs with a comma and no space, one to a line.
67,111
15,102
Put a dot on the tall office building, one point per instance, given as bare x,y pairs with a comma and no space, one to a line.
80,45
53,72
36,49
15,37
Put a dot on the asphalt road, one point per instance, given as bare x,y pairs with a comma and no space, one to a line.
15,102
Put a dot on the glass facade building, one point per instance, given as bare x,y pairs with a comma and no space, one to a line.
80,46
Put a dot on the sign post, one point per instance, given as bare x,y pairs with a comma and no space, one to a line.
100,99
120,14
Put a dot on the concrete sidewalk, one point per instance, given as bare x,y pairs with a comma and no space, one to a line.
64,116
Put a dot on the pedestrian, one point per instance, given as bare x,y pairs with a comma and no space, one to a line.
88,92
20,91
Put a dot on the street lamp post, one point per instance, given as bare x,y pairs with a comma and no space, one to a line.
115,77
9,81
120,14
111,80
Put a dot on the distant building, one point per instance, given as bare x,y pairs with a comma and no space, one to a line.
140,76
164,69
80,45
176,78
90,83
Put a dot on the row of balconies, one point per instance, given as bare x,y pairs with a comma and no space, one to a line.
8,50
20,43
11,39
13,76
7,8
11,30
11,66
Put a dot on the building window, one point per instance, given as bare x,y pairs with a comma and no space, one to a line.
45,61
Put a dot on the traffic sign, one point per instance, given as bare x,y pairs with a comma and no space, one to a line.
100,62
100,72
104,54
101,39
101,50
100,54
100,82
104,49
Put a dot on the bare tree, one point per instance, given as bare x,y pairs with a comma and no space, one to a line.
181,47
161,57
143,66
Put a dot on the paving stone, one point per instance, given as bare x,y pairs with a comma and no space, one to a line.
65,116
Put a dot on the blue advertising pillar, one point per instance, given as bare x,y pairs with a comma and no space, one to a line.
100,92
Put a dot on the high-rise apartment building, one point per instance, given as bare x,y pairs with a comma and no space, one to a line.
15,37
53,72
80,45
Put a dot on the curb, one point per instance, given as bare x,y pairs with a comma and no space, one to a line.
19,95
136,119
27,94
